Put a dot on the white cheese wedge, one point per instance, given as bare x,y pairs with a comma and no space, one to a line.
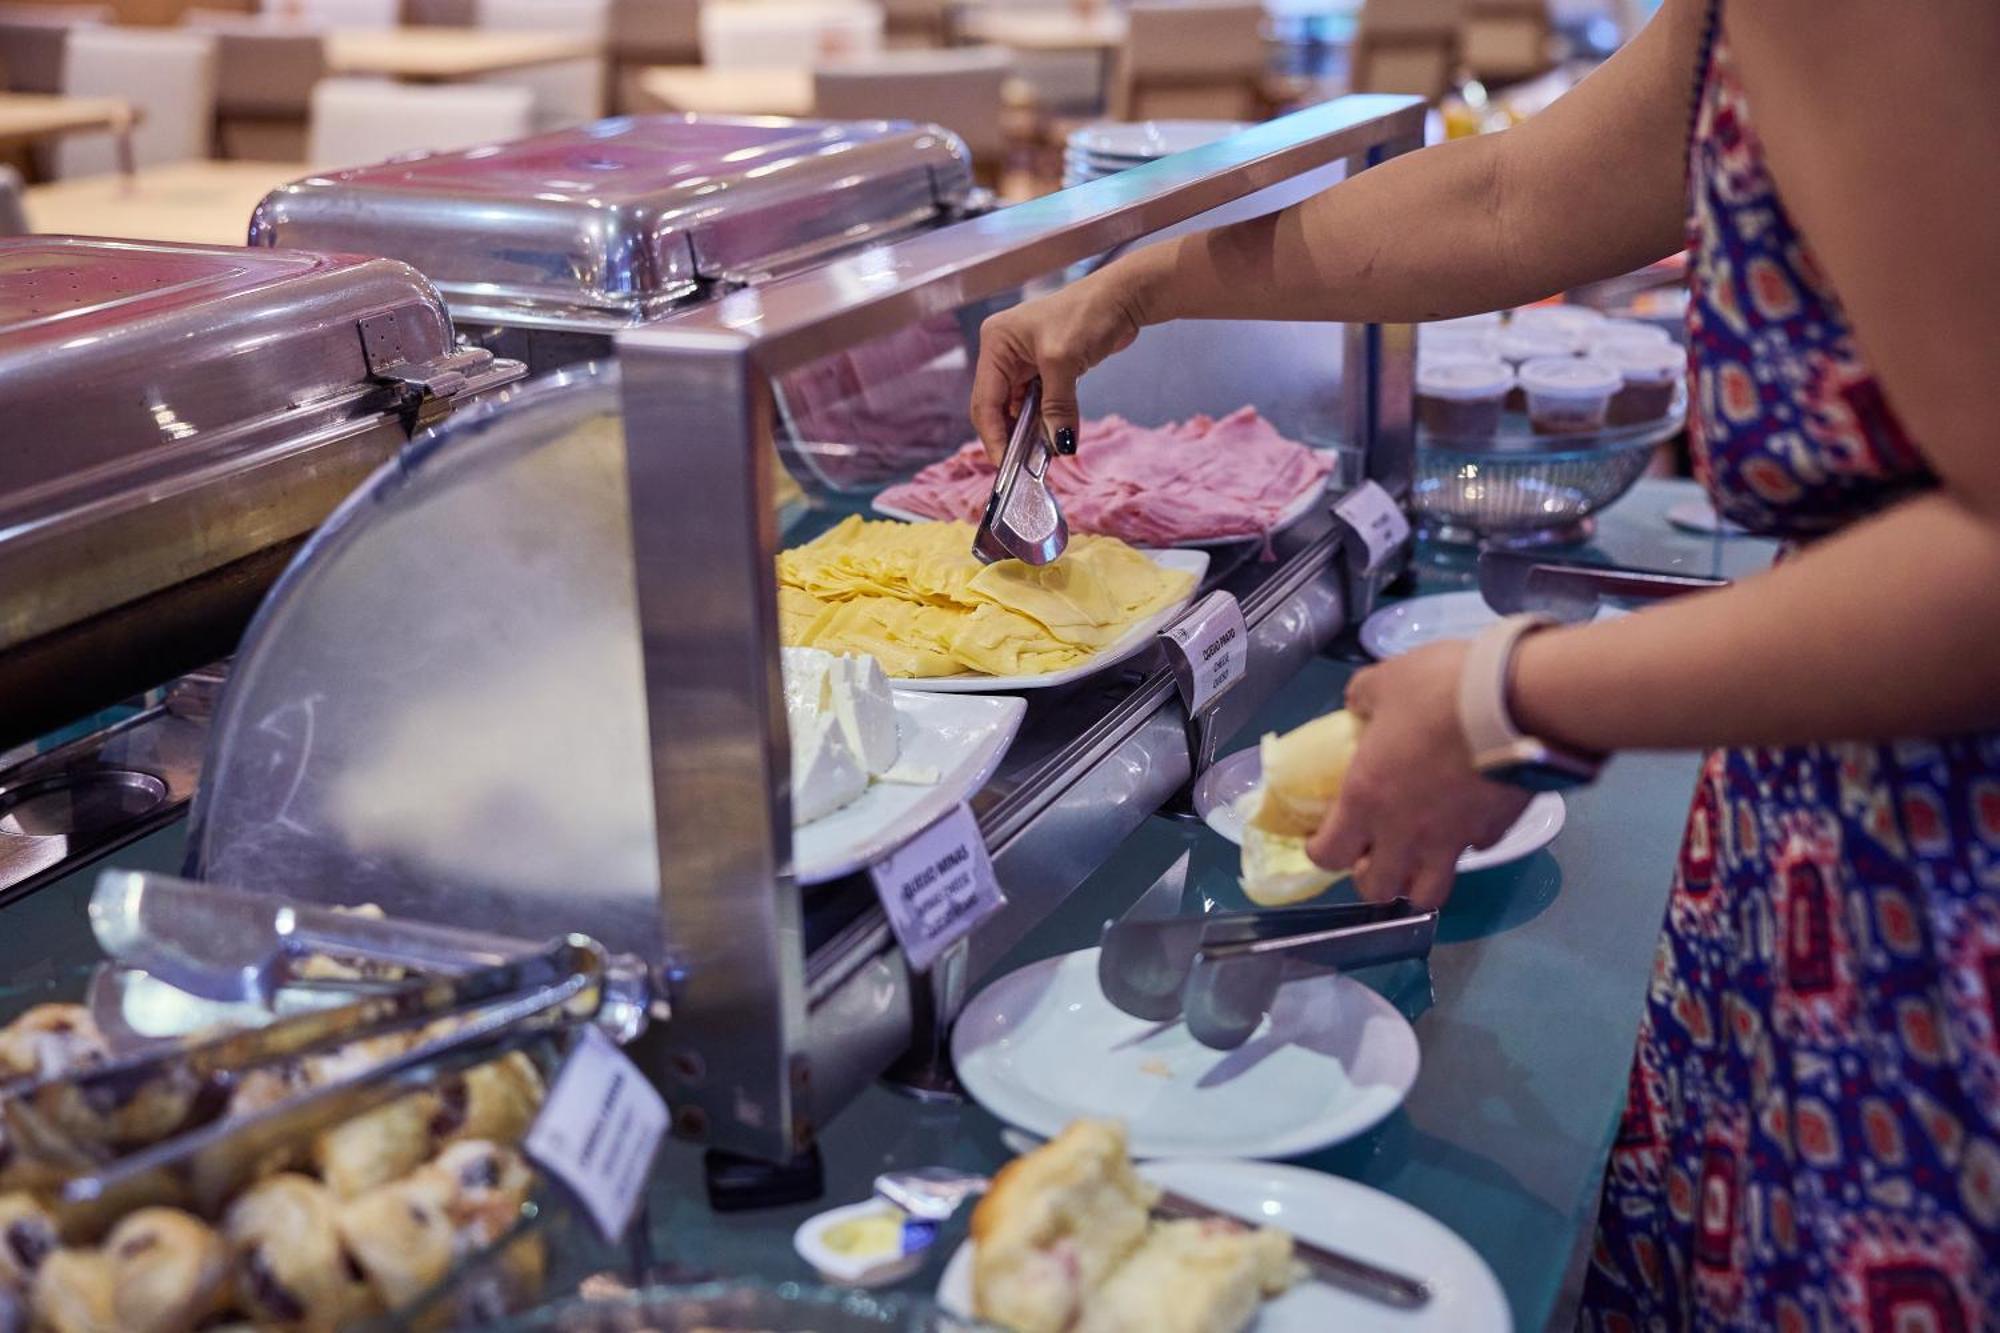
858,693
826,774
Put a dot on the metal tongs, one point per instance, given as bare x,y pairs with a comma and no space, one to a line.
1022,519
1221,972
499,994
1513,581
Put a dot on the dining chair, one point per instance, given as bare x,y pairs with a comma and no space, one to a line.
768,34
1505,41
1405,46
369,14
166,75
32,40
961,89
358,122
265,70
567,92
1197,61
644,33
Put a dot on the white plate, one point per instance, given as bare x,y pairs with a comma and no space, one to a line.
1133,641
1340,1215
1300,505
1699,516
963,737
1405,626
1229,779
1042,1047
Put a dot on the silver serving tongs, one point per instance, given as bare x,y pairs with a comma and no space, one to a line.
1514,581
1022,519
496,1006
1221,972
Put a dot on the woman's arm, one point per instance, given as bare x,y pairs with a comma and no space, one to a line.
1871,118
1592,187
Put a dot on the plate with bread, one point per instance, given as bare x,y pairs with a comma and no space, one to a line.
1073,1236
1269,800
1042,1047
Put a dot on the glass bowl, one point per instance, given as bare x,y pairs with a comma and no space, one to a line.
1519,489
781,1307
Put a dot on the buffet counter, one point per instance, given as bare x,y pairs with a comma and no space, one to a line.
1525,1019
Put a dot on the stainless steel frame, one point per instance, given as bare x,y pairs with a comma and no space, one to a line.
754,1056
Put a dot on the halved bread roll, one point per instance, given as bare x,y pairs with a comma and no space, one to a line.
1303,773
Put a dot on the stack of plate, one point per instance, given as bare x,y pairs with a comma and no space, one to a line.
1110,147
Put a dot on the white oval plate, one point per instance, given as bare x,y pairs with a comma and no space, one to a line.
964,738
1041,1047
1340,1215
1296,509
1405,626
1230,779
1131,642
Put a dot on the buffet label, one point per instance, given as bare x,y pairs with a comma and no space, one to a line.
598,1131
1376,518
937,886
1212,647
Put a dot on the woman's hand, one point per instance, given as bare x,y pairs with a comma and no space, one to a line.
1412,801
1057,337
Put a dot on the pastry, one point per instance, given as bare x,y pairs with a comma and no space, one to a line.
1192,1276
496,1101
401,1236
27,1236
1055,1225
484,1186
291,1270
73,1293
169,1270
377,1146
1302,775
1064,1243
346,1061
50,1040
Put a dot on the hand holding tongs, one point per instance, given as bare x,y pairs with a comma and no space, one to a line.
1221,971
1514,581
1022,518
507,994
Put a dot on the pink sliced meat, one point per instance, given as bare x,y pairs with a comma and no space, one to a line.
1192,480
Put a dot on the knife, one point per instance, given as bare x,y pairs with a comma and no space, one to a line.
1332,1267
1514,581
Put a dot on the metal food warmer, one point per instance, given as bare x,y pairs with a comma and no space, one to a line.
177,418
546,247
597,624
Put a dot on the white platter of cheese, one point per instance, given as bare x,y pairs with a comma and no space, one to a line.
871,766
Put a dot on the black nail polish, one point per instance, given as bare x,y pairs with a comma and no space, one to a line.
1065,441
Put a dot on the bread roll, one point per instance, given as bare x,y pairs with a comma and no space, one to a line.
1303,771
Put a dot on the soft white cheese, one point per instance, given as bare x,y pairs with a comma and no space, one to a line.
826,775
859,693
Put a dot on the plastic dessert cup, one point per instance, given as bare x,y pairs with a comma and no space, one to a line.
1627,332
1573,323
1460,399
1650,371
1442,342
1569,395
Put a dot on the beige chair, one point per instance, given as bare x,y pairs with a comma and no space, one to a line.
1405,46
1505,41
960,89
370,14
644,33
32,40
264,76
167,76
569,92
1196,60
916,23
357,122
770,34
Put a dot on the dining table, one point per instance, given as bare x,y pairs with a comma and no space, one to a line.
704,90
27,119
416,54
206,203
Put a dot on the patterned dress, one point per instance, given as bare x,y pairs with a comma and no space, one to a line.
1812,1134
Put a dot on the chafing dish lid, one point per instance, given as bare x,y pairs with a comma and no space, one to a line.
123,361
621,219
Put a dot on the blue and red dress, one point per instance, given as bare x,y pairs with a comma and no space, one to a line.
1812,1135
